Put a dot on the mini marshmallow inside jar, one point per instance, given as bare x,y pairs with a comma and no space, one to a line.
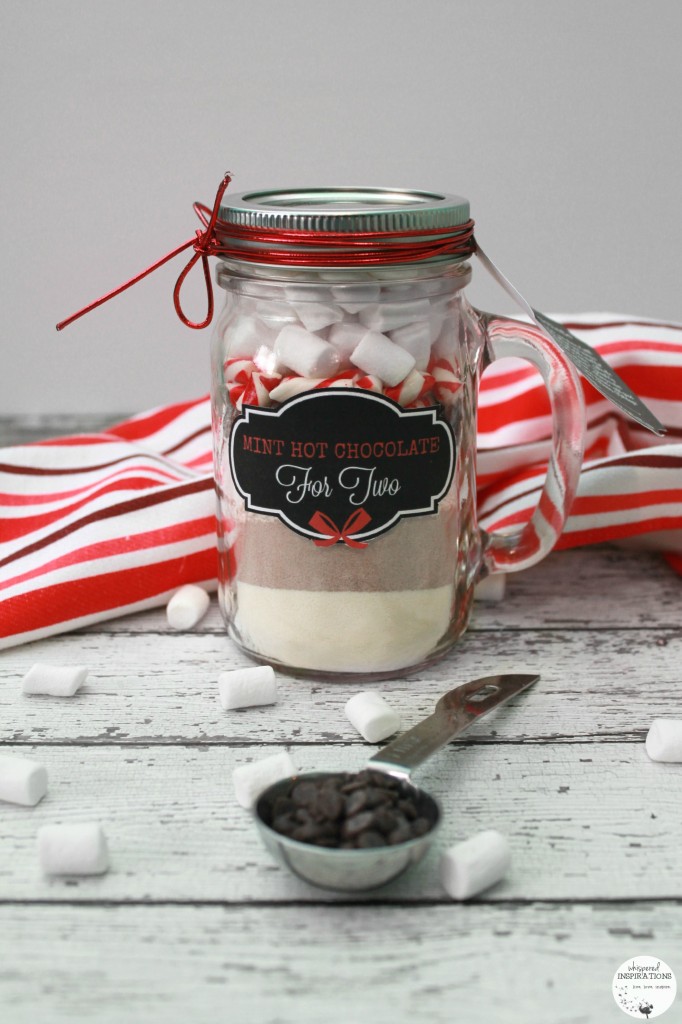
345,367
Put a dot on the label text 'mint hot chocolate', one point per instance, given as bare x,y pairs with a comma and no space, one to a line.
281,448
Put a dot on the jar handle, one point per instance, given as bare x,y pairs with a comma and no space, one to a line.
521,548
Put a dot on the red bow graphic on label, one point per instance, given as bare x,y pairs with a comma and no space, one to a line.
355,522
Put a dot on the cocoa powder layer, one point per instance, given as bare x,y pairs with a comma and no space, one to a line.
417,554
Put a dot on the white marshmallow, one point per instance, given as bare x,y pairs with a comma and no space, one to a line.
415,339
246,334
275,314
278,273
342,274
266,360
316,315
73,849
369,713
391,274
250,780
491,588
469,867
187,606
351,307
376,354
307,293
55,680
305,353
430,285
403,292
22,781
247,687
386,316
345,338
352,298
255,290
664,740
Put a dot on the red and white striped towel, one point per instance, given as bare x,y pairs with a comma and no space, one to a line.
99,525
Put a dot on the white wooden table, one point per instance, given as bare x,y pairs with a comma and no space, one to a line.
194,922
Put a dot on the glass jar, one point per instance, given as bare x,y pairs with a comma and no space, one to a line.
344,399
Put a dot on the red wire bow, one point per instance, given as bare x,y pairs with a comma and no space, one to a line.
355,522
204,244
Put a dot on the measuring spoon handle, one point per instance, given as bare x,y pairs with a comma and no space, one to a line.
454,713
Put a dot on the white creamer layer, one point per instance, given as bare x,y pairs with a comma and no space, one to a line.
342,631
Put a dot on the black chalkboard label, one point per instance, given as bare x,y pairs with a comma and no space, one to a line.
341,465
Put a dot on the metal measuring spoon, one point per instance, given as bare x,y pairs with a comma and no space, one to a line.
359,869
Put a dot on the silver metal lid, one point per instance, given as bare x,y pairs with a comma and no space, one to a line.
345,209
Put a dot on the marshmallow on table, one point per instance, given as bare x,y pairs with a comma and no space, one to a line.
22,781
247,687
54,680
491,588
664,740
369,713
250,780
187,606
386,316
73,849
469,867
376,354
305,353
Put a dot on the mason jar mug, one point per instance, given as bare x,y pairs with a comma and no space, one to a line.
345,368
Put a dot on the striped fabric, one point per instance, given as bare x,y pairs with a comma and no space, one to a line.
100,525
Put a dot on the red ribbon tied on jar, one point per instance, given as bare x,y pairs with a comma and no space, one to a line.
323,524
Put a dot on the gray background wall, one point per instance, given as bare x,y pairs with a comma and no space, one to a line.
560,121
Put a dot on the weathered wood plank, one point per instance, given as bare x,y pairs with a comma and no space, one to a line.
604,684
583,822
303,965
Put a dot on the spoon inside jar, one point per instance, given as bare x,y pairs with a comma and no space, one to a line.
366,828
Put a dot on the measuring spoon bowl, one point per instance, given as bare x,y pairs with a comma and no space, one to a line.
340,869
